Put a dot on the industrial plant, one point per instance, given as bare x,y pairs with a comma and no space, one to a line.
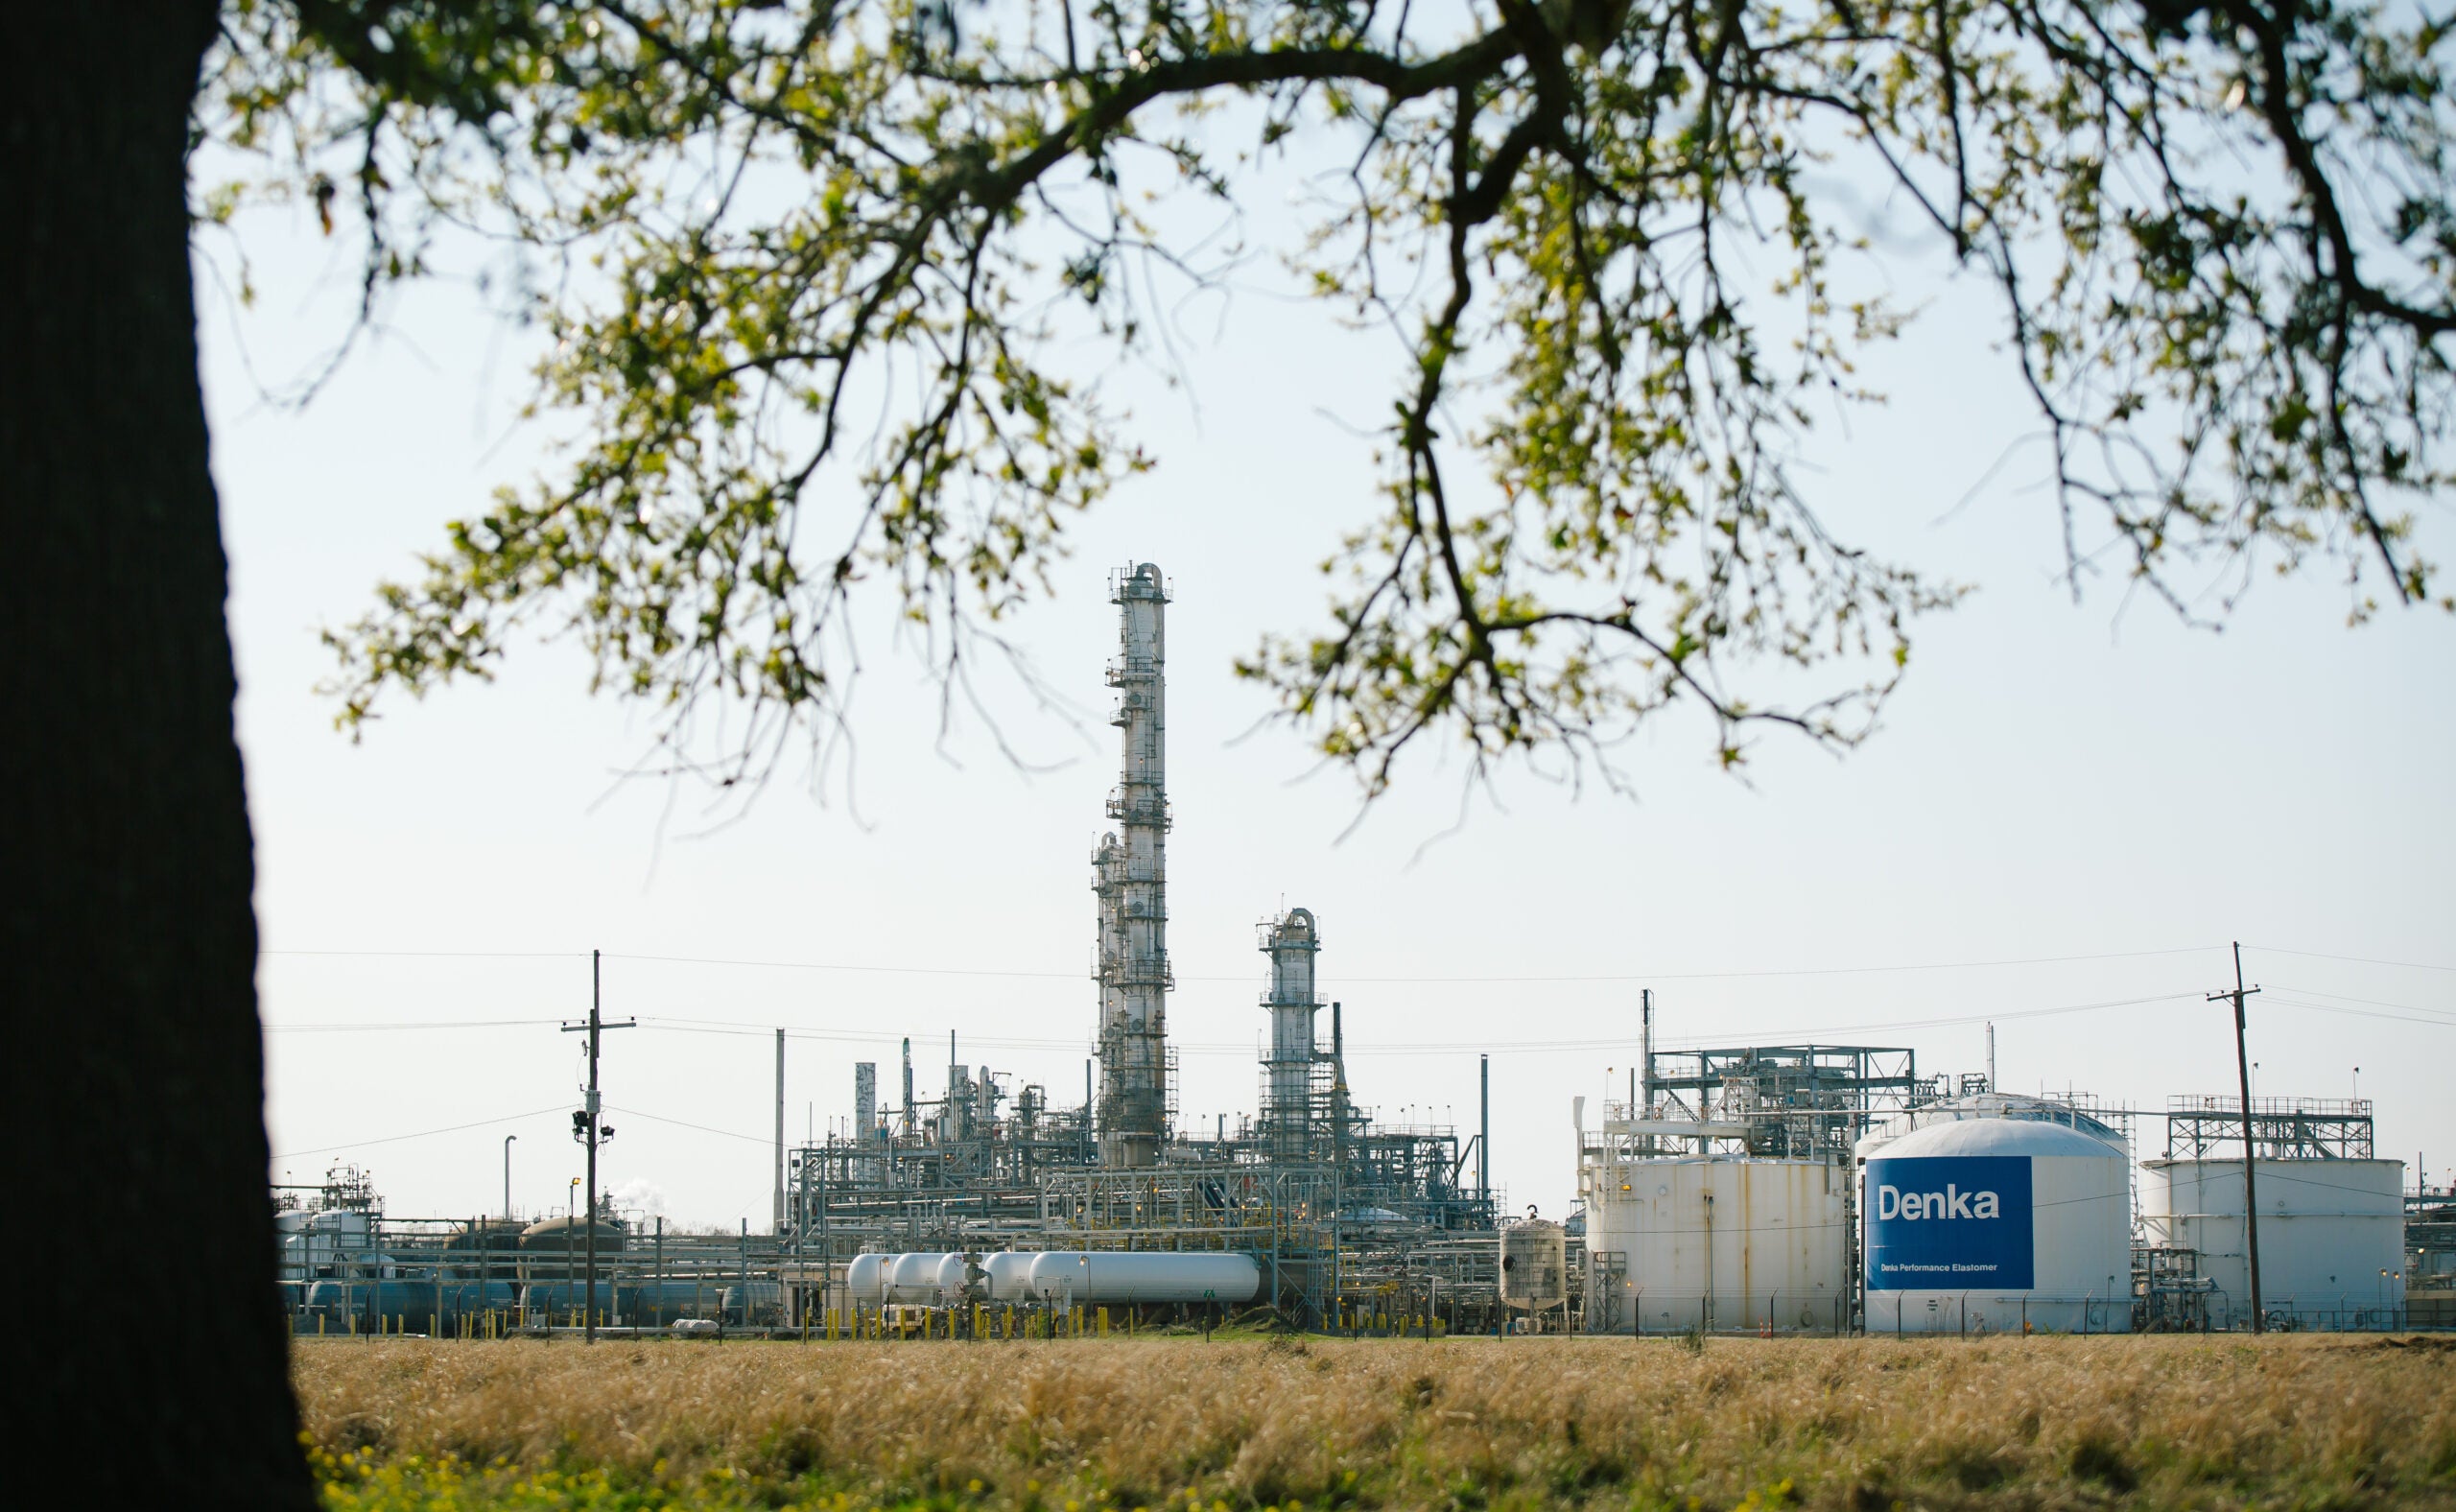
1780,1189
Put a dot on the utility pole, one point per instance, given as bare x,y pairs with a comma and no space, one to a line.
585,1128
2250,1190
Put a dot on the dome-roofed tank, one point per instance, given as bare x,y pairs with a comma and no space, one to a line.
491,1234
552,1248
1997,1223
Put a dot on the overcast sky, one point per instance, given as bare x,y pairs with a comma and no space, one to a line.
2069,812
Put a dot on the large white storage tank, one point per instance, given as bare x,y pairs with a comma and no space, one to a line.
1103,1276
1717,1242
1996,1224
2332,1247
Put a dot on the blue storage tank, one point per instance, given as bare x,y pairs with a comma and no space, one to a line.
402,1307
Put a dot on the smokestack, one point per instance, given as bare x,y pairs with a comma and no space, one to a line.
1130,876
908,1086
1484,1128
1645,1051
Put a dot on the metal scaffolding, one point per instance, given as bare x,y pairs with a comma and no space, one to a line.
2206,1128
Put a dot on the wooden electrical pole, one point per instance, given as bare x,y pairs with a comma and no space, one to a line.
585,1126
2251,1153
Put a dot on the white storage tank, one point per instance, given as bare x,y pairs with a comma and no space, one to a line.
1011,1273
865,1280
912,1279
1104,1276
1719,1241
1996,1224
2332,1236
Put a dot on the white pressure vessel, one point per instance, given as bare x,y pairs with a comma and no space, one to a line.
1103,1276
1009,1274
865,1280
914,1278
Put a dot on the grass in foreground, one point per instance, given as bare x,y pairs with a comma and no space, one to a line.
1464,1425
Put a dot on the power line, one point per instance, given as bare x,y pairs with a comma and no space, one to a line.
1247,976
2376,1003
750,1028
658,1118
2362,1013
2362,961
394,1138
440,955
338,1028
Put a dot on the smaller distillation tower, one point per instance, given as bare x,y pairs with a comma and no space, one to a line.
1290,942
1130,876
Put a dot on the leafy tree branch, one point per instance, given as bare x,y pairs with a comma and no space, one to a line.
1609,233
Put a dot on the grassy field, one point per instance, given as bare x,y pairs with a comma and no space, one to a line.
1112,1425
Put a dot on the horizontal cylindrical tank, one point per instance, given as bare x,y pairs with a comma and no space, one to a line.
1716,1242
865,1280
416,1307
913,1278
1100,1276
2331,1234
657,1304
1997,1225
1010,1274
964,1276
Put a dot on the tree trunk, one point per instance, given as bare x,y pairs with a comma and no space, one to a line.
152,1355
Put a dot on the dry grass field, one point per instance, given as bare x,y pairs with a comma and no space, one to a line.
1112,1425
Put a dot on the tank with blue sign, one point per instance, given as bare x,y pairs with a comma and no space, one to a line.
1997,1219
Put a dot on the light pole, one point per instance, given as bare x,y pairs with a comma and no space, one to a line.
506,1175
571,1215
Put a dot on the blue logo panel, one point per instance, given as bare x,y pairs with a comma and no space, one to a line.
1947,1223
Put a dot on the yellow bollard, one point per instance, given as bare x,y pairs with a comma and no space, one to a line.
1104,1322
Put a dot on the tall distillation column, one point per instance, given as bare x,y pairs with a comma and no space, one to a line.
1290,942
1130,875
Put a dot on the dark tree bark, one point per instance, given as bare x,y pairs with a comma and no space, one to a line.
153,1361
